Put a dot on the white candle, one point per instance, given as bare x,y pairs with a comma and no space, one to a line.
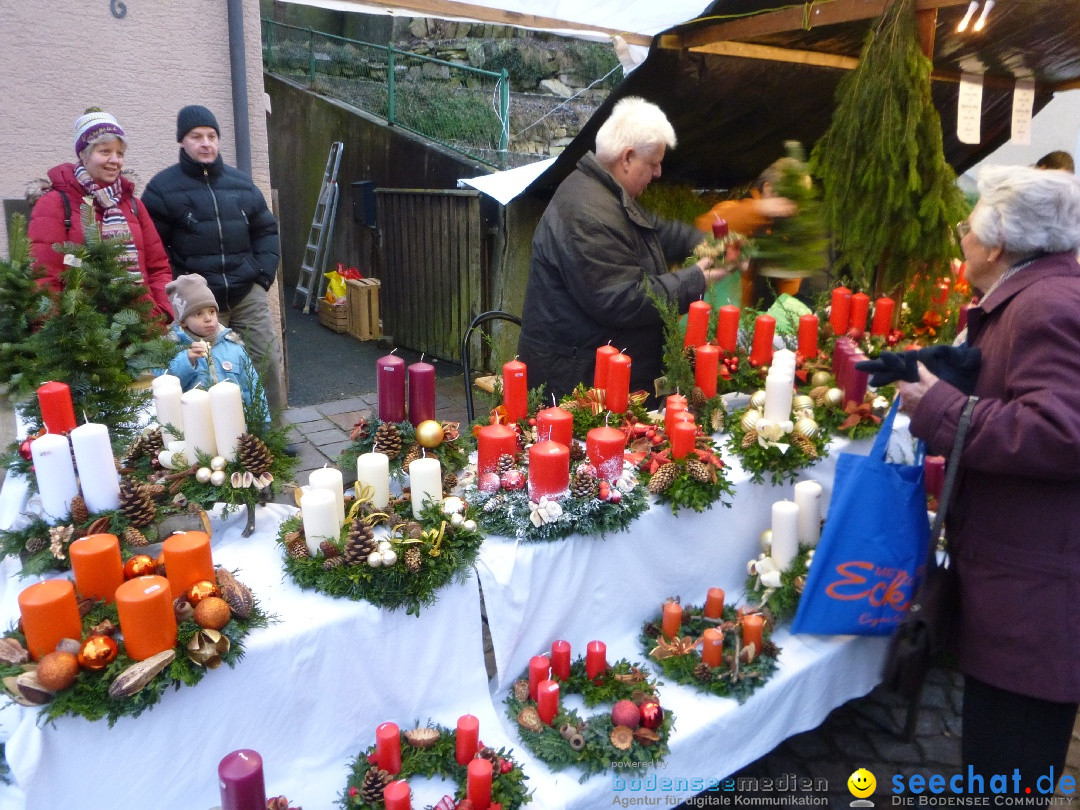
196,413
97,469
320,518
779,389
166,391
330,479
425,481
808,499
783,358
227,407
55,475
785,542
373,469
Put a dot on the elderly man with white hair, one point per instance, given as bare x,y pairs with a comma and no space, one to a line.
596,254
1013,527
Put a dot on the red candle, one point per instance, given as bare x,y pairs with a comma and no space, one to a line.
883,312
860,308
57,410
714,603
604,446
99,571
240,778
727,328
539,669
682,436
396,796
595,659
697,324
603,360
388,747
49,613
147,618
478,789
752,627
547,701
672,620
712,652
618,387
935,475
556,424
672,405
843,350
840,310
761,351
491,442
549,470
421,392
719,227
390,382
706,367
808,335
560,660
467,739
515,390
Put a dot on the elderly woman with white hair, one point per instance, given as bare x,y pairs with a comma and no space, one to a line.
1013,528
597,253
100,145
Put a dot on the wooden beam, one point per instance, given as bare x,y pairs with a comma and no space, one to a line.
926,26
771,54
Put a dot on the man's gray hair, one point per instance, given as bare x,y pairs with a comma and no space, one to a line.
636,123
1027,211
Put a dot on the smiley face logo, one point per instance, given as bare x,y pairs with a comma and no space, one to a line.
861,783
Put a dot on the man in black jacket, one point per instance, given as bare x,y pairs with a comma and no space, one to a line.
214,221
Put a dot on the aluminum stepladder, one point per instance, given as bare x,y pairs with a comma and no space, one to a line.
313,265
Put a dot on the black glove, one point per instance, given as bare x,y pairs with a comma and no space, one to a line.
957,365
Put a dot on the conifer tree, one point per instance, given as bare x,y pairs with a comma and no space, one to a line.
23,303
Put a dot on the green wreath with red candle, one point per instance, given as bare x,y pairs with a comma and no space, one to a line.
431,750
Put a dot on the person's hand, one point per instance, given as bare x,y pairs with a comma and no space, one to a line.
776,207
911,393
198,349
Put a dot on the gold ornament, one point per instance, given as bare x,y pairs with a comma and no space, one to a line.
834,397
806,427
820,378
758,399
201,590
212,613
429,434
140,565
802,402
750,419
207,647
97,652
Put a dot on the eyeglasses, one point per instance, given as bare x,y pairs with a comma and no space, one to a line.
963,228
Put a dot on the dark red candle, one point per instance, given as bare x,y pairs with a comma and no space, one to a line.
549,470
547,701
491,442
388,747
935,475
467,739
595,659
840,310
618,387
421,392
855,381
515,390
860,308
560,660
719,227
240,778
706,367
843,351
478,787
727,328
762,349
697,324
883,312
603,359
390,381
808,336
57,410
556,424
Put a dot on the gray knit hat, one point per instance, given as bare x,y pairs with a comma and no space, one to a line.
188,294
194,115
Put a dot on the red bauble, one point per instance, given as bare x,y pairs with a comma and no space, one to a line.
140,565
505,766
626,713
97,652
652,715
24,448
488,483
513,480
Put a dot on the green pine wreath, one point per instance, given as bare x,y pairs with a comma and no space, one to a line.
452,452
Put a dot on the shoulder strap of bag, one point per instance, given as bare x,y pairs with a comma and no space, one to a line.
950,474
881,443
67,212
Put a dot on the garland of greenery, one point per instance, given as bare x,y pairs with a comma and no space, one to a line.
687,489
782,466
439,759
623,681
734,678
447,546
781,602
452,452
586,405
89,696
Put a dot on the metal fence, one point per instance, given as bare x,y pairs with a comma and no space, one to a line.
462,107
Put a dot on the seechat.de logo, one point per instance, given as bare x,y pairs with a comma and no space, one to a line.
861,784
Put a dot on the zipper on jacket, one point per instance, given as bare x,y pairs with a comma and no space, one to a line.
221,235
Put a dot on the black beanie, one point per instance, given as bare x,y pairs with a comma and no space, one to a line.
194,115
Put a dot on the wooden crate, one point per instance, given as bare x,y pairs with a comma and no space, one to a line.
363,305
334,318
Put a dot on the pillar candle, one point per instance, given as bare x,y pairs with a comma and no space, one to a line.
784,359
672,619
197,416
779,391
618,387
240,778
603,360
860,308
227,409
319,512
388,748
935,475
373,469
549,470
166,392
843,350
467,739
55,474
808,336
98,479
57,410
883,312
672,405
712,651
697,324
604,447
421,392
683,433
147,619
515,390
727,328
719,227
49,613
390,384
491,442
595,659
840,310
556,424
808,499
761,351
478,783
396,796
547,701
714,603
330,479
98,569
706,366
187,560
753,625
855,381
425,481
785,533
539,669
560,660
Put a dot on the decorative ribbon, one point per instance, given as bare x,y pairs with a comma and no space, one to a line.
863,412
769,433
669,649
435,537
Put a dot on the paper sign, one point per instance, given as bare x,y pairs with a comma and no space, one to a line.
1023,101
969,108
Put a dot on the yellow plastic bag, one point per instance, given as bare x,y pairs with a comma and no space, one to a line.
335,289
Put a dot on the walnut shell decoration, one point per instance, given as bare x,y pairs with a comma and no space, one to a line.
529,718
422,737
521,689
622,738
646,736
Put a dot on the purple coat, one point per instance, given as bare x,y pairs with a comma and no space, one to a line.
1014,524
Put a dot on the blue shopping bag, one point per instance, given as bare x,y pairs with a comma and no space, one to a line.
873,545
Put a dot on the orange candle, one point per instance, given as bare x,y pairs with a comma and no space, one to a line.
860,308
683,434
603,359
883,312
697,324
99,571
672,620
706,367
840,310
478,787
761,351
752,626
187,560
147,620
673,405
618,387
714,603
727,328
49,613
515,390
712,653
808,336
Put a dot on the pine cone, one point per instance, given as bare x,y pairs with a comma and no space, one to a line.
154,442
414,452
804,444
136,504
663,478
690,353
371,789
449,482
36,544
577,451
749,438
488,753
584,485
770,649
703,672
79,512
413,559
331,563
388,440
700,471
505,463
154,490
360,543
253,454
412,529
133,537
697,398
651,630
329,549
296,545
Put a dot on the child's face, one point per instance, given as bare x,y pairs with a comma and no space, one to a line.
202,322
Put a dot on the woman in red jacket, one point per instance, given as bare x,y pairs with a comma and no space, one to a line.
100,147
